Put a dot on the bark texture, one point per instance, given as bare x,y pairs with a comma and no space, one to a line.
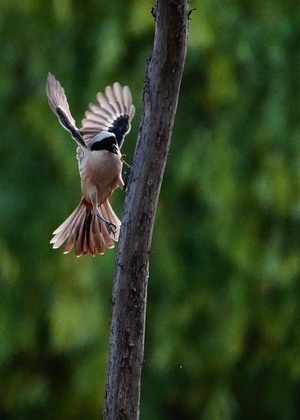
160,97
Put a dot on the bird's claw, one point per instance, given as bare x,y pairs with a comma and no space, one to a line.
126,179
111,228
126,173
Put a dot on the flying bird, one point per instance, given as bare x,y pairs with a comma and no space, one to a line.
93,225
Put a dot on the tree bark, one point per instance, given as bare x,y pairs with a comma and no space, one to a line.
160,98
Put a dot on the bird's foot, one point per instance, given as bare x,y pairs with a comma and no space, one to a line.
126,179
126,173
112,229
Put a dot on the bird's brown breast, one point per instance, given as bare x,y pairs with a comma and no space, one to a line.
101,173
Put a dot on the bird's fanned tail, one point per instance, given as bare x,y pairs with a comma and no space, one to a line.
85,231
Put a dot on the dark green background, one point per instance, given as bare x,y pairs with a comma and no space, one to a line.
223,322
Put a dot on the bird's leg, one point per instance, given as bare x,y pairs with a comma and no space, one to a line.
126,173
126,179
112,229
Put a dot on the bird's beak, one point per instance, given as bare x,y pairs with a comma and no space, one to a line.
115,149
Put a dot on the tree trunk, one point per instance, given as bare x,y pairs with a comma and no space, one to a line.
160,97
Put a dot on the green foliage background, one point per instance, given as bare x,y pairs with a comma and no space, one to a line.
223,336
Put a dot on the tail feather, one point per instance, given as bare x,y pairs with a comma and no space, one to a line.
85,231
64,230
99,245
82,233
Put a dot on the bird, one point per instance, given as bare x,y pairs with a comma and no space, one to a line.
93,225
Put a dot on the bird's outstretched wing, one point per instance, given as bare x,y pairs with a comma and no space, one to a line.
59,105
113,112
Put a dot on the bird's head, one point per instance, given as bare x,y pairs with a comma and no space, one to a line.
104,141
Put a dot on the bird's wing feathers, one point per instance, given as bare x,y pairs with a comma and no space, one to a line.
57,98
113,112
59,105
